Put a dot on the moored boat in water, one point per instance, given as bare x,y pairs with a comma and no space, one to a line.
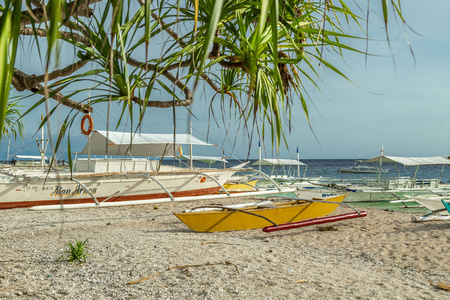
363,169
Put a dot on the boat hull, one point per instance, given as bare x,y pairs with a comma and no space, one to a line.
226,220
28,192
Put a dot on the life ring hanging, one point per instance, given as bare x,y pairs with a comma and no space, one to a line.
91,124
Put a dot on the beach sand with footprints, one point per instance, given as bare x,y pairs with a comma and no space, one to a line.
144,252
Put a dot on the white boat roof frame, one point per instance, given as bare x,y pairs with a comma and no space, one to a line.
278,162
205,159
137,144
411,161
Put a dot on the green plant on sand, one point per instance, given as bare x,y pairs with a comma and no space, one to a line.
76,252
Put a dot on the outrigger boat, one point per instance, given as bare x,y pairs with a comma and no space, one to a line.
395,188
257,215
437,204
432,202
362,169
94,182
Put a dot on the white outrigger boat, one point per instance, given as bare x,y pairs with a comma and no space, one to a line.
105,182
438,205
396,188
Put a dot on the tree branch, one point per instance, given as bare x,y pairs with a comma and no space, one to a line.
22,81
78,7
64,34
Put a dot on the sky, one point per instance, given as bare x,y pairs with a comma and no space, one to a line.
398,102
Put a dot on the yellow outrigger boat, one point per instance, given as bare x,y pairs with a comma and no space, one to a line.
257,215
240,186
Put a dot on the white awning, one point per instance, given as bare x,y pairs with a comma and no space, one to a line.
138,144
205,159
278,162
412,161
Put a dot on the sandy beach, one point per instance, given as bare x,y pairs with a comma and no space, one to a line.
381,256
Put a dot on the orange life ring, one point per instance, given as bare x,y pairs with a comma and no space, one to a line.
91,125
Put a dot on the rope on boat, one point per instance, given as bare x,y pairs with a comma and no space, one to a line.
238,210
393,194
320,201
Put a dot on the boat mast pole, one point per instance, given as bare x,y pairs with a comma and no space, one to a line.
259,146
9,144
381,162
41,148
440,176
396,169
89,139
223,158
415,177
298,166
191,163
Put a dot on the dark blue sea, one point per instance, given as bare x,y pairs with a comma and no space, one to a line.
330,168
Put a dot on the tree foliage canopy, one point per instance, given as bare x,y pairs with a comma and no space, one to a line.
254,55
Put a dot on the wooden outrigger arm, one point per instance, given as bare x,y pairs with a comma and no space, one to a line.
434,215
87,190
160,184
218,183
268,177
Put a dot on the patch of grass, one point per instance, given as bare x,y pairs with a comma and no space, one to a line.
77,252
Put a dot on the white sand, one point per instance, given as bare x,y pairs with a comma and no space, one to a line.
381,256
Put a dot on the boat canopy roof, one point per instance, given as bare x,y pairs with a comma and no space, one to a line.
205,159
278,162
412,161
137,144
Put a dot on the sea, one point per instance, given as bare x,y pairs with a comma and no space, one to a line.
329,168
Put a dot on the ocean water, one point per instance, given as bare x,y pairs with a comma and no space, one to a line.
329,168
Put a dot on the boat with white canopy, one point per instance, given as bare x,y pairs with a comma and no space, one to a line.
282,168
408,183
102,181
396,188
285,172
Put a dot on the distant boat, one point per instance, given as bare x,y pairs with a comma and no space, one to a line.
362,169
